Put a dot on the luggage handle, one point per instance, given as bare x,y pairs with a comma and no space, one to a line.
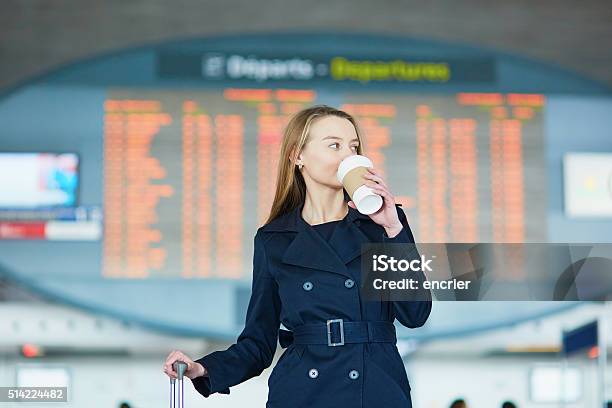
177,389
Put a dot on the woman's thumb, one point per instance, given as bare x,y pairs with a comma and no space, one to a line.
351,204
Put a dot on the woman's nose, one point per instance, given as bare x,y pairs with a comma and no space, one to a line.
347,152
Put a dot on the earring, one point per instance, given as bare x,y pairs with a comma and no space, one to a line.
300,166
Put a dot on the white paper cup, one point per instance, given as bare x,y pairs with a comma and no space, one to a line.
365,199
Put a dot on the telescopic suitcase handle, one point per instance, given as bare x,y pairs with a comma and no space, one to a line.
177,389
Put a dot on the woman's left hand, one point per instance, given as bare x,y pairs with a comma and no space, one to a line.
386,216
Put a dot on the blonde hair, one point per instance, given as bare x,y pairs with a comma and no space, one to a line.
290,186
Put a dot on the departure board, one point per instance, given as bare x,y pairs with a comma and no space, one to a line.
190,175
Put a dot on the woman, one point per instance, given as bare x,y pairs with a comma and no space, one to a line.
340,349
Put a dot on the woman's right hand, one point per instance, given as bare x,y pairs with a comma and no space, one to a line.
193,369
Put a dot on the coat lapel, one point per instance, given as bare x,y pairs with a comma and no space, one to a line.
308,249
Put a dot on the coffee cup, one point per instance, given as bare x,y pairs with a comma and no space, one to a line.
350,174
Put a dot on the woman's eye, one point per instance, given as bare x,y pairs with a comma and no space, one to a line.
354,147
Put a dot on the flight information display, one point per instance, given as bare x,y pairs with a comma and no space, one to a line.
190,175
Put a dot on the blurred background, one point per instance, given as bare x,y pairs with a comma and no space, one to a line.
138,152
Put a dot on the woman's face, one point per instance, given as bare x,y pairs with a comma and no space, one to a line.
331,140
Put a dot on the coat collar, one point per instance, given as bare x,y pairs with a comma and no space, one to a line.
308,249
292,221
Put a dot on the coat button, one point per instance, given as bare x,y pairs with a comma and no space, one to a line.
353,374
313,373
307,285
349,283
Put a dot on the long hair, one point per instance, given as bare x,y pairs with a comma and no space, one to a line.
290,185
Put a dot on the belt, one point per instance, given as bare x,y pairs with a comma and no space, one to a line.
337,332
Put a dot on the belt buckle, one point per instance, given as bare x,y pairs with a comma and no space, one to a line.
329,342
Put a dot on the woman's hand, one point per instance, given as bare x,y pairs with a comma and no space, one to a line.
386,216
193,369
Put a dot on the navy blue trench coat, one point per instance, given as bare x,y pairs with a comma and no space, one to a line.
300,279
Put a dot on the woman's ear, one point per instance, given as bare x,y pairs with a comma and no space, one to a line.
295,159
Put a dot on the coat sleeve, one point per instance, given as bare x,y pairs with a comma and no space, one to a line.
415,313
254,350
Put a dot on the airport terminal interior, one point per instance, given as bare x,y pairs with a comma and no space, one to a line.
140,144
